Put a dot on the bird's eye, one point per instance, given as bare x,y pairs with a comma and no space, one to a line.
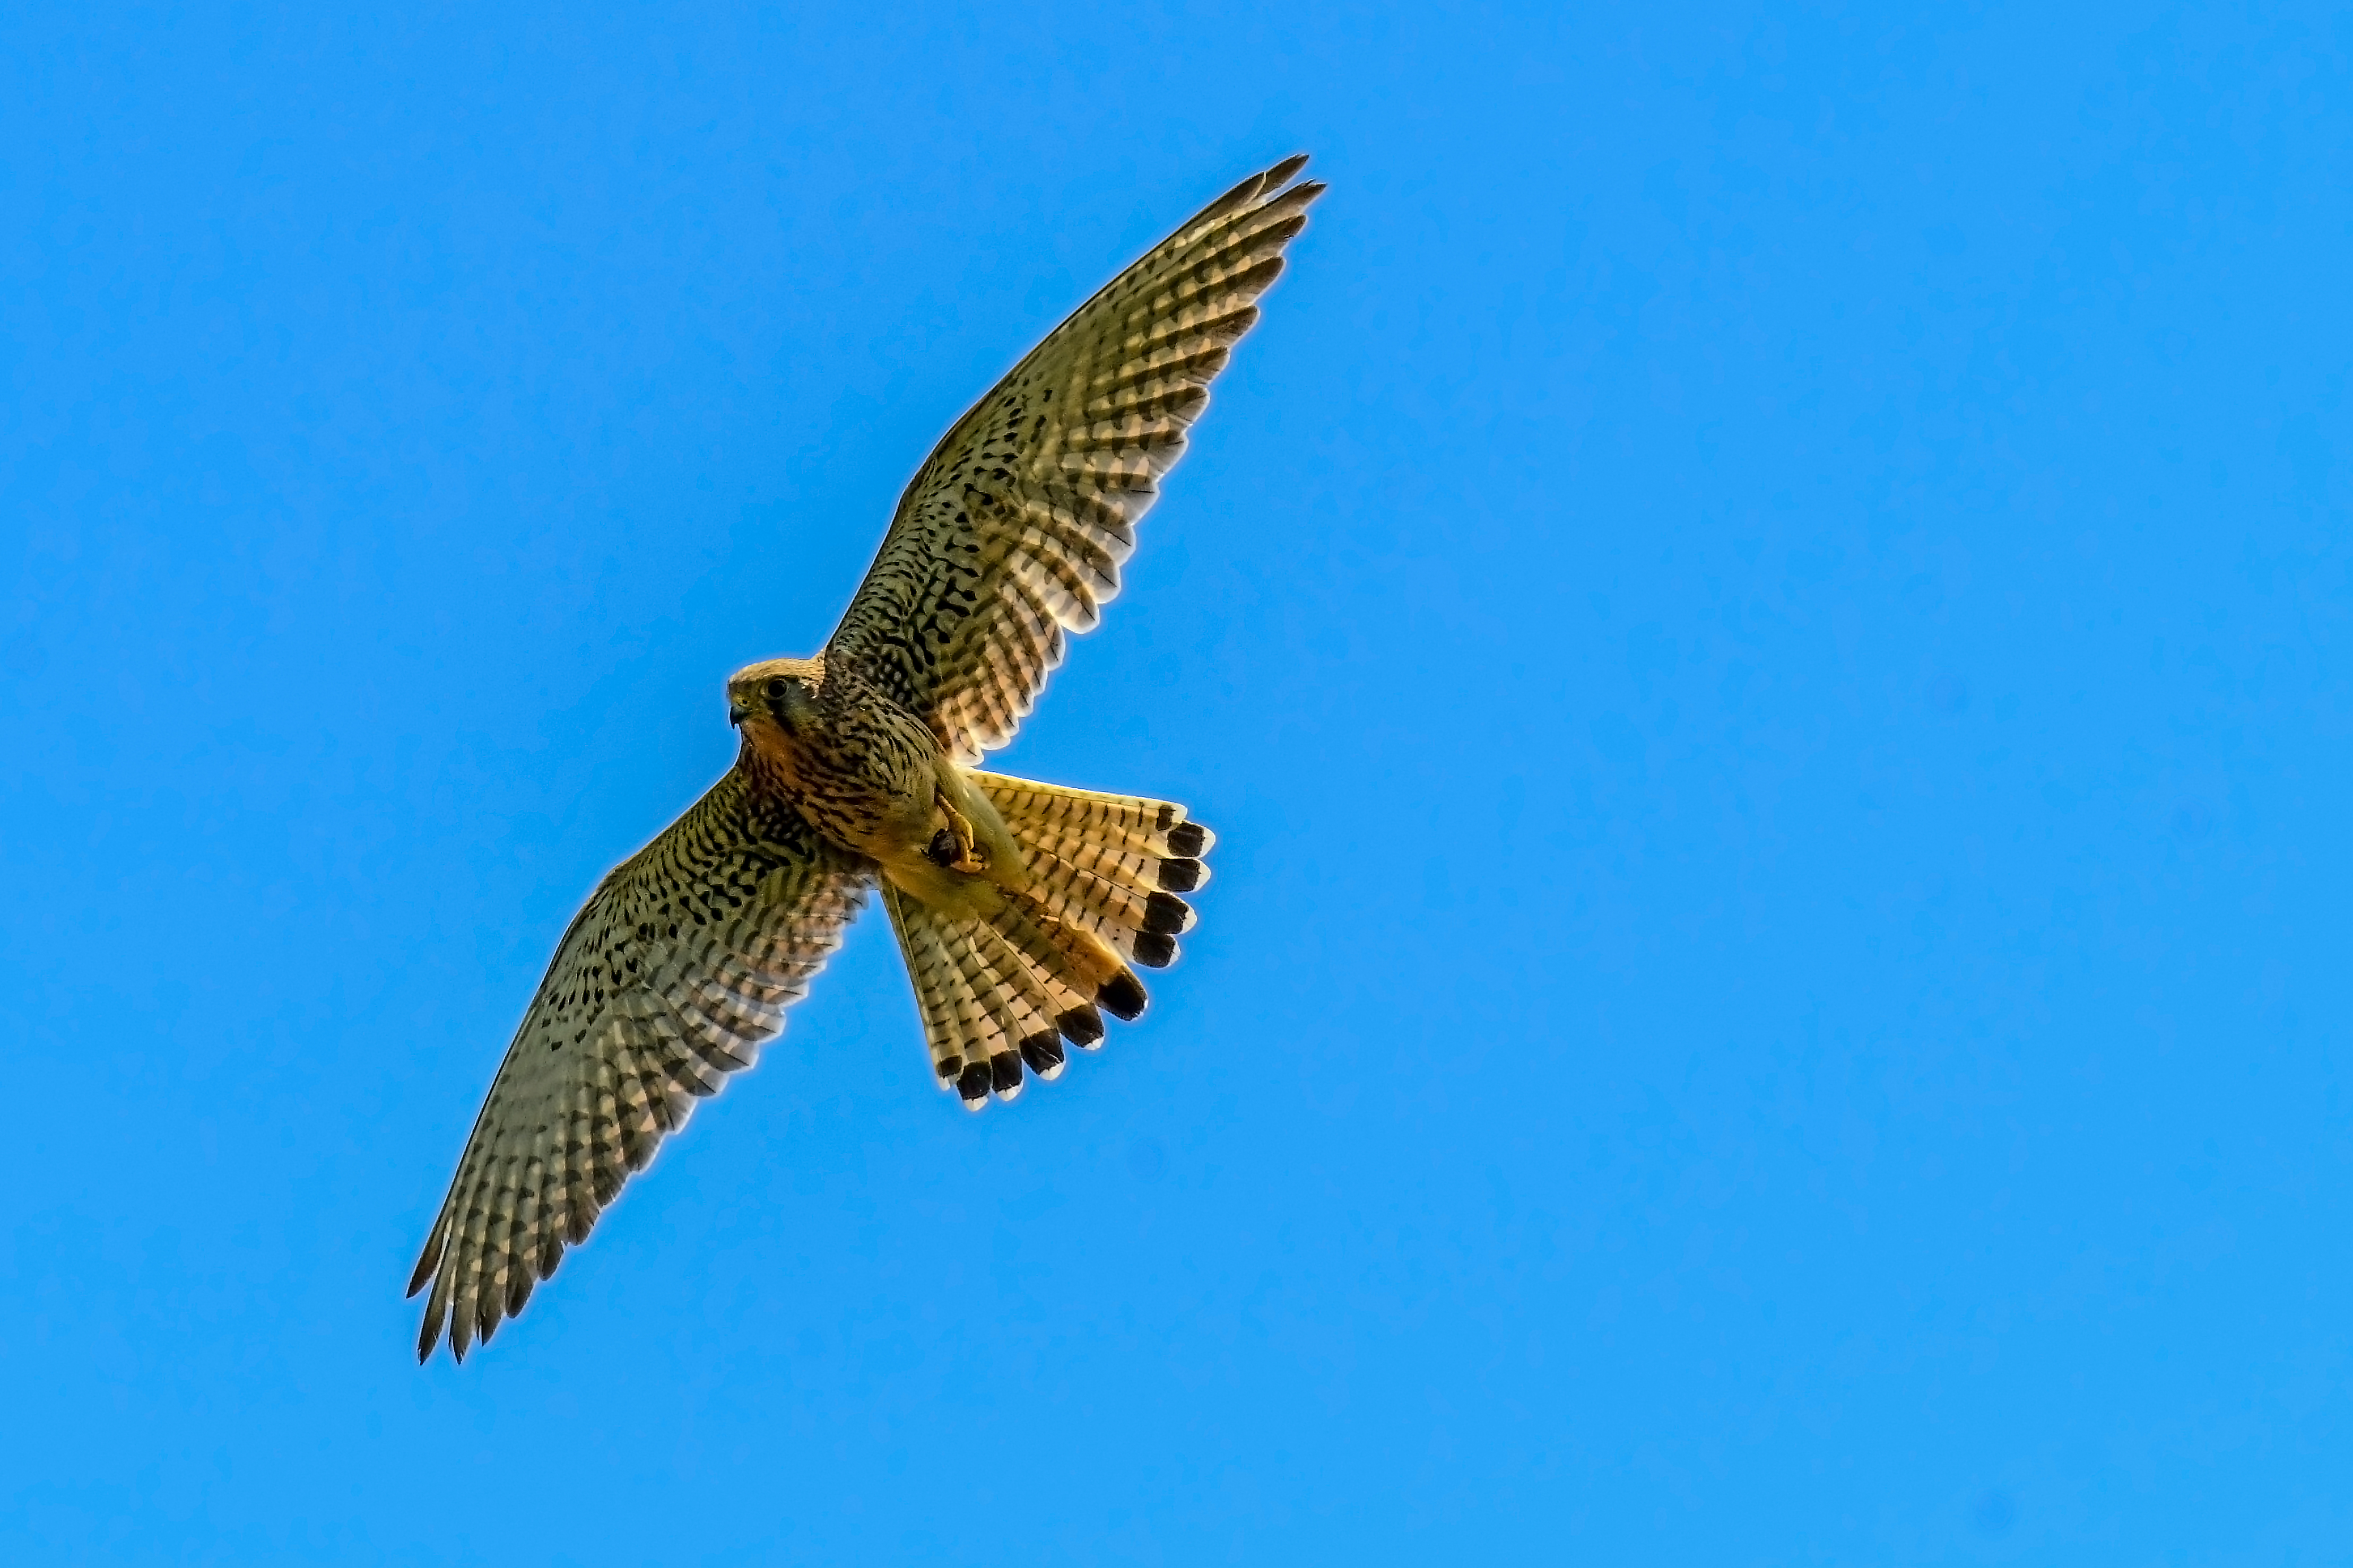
777,688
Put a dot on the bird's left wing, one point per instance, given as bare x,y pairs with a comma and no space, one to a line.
1015,527
678,970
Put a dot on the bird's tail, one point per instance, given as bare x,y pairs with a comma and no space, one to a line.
1004,990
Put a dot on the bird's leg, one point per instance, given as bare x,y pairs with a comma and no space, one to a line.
953,846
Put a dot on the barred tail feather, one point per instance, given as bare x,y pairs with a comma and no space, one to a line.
1001,994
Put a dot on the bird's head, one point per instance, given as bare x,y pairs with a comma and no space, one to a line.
776,698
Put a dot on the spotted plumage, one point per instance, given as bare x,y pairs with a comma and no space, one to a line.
1022,909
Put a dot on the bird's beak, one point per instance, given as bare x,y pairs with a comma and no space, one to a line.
737,712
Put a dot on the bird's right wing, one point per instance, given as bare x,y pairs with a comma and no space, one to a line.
678,970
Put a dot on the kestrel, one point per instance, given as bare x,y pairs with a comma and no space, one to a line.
1022,909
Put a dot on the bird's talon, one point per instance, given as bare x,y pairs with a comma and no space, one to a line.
956,847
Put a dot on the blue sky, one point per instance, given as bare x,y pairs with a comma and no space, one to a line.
1765,625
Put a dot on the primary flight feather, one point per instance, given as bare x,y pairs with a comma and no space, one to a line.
1022,909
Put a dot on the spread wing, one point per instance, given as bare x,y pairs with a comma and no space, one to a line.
1014,529
678,970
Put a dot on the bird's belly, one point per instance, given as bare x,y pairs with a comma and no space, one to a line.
878,818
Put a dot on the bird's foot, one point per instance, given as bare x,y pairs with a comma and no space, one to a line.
954,848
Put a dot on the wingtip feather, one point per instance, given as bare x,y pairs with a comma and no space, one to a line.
427,1262
1255,188
1274,179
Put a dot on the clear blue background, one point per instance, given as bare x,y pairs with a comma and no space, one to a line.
1765,623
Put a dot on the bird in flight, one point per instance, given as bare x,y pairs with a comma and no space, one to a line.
1022,909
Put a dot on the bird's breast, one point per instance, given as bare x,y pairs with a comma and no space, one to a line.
863,780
